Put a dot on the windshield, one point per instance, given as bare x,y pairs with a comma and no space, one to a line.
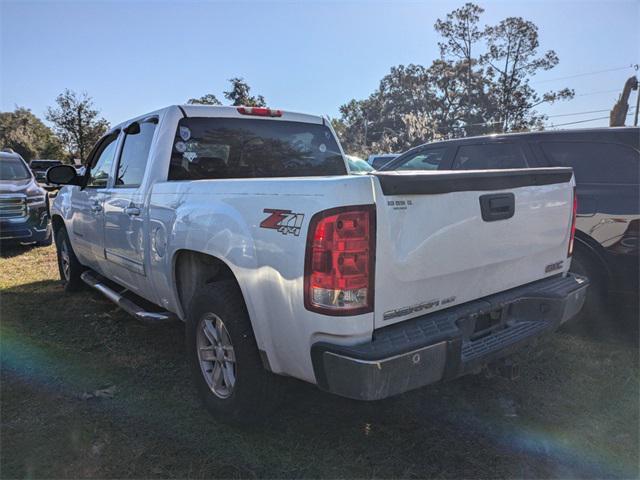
358,165
45,165
13,169
206,148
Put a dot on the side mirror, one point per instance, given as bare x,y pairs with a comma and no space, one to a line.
63,175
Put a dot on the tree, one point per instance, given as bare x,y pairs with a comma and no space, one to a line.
460,33
479,85
25,134
239,94
511,59
76,122
208,99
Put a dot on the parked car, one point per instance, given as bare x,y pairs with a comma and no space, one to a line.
606,162
244,223
24,205
380,159
39,169
357,166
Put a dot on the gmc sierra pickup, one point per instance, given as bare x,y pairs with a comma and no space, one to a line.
244,223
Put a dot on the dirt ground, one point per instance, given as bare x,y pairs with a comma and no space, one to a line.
87,392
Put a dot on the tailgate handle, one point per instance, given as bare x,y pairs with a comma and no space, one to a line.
499,206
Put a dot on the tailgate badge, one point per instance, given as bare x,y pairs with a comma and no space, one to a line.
554,266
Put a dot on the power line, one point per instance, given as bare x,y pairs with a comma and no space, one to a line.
595,72
579,121
582,113
615,90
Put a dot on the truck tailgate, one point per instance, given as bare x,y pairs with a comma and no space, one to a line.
445,238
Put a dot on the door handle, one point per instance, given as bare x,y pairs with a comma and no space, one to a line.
132,211
497,206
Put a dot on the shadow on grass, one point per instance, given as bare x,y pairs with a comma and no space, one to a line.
12,249
572,414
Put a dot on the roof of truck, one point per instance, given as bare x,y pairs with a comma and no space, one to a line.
232,112
225,112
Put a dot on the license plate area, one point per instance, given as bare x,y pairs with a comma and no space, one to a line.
477,326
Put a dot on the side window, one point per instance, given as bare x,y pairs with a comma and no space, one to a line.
135,153
489,156
424,160
102,162
595,162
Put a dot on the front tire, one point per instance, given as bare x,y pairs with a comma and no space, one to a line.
68,265
223,356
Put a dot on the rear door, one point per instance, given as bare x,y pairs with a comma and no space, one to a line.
445,238
124,218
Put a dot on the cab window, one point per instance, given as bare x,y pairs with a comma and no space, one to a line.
100,170
217,148
488,156
423,160
135,154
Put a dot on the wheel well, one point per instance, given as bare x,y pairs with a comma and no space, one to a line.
194,269
57,223
594,251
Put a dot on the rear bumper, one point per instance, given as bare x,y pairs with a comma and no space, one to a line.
447,344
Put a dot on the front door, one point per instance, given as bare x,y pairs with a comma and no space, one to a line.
88,205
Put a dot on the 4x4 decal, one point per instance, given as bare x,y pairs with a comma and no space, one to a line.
284,221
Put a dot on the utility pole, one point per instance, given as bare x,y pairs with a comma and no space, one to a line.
635,119
619,111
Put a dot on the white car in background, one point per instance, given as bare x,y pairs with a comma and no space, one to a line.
358,166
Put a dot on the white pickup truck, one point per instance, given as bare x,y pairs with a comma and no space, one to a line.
244,223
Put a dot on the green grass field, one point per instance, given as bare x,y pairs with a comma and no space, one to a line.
573,413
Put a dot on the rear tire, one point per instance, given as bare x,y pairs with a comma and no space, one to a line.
68,265
223,357
594,310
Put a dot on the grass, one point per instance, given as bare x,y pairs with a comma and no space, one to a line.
573,413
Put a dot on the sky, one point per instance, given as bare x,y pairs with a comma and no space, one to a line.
136,56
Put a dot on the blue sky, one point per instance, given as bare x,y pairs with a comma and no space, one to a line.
312,56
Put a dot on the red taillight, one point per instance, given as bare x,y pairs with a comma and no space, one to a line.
259,111
340,259
573,222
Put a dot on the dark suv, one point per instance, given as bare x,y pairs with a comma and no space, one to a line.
24,205
606,163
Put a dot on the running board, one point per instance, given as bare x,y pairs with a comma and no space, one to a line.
96,281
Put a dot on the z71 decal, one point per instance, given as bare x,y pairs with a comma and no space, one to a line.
284,221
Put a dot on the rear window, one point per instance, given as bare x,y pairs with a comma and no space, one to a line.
209,148
39,165
596,162
489,156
